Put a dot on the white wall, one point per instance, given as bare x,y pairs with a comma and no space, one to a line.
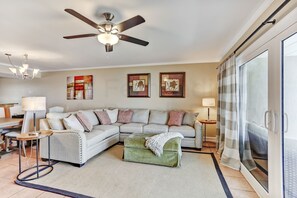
110,89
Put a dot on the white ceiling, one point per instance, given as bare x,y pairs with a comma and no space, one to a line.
190,31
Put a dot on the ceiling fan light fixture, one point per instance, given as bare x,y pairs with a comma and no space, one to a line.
108,38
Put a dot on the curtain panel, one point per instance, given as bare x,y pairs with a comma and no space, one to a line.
227,133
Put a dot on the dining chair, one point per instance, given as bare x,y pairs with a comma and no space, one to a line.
27,126
2,112
16,110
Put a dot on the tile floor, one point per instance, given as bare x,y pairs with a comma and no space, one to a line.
9,169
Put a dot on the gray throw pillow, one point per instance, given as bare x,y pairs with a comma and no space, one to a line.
190,118
158,117
140,115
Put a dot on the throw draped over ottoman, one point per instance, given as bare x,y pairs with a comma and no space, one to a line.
135,151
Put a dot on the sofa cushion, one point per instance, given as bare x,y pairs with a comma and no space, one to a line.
84,121
55,124
125,116
91,116
107,128
113,114
155,128
185,130
72,123
103,117
98,135
189,118
117,124
132,128
158,117
140,116
57,115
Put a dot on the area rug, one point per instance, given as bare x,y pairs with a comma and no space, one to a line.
107,175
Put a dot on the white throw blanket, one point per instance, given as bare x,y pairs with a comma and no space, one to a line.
156,142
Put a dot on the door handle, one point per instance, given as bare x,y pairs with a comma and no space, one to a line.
286,123
266,123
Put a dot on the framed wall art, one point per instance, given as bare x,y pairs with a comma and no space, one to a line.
80,87
139,85
172,84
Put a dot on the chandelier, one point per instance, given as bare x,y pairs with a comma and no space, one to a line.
22,72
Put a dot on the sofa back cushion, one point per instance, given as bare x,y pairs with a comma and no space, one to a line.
84,121
57,115
55,124
189,118
103,117
175,118
112,114
140,115
158,117
72,123
90,116
125,116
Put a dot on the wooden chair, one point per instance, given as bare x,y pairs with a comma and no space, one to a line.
27,126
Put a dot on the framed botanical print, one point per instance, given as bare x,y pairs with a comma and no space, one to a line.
172,84
139,85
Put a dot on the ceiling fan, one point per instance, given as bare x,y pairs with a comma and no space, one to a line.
109,33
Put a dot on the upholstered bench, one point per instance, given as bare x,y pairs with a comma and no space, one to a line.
135,151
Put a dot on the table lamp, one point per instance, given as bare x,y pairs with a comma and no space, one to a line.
34,104
208,102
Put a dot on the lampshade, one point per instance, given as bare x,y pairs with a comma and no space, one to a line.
208,102
33,103
108,38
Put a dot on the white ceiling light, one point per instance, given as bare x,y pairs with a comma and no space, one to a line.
22,72
108,38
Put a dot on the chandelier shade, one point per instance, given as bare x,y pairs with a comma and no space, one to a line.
22,72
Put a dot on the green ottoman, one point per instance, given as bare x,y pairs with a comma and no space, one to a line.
135,151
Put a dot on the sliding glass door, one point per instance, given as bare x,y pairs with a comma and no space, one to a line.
253,92
267,95
289,110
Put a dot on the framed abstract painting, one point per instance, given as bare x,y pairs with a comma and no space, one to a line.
80,87
172,84
139,85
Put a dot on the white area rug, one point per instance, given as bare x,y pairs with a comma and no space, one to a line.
107,176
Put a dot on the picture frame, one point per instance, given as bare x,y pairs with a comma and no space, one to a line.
139,85
172,84
80,87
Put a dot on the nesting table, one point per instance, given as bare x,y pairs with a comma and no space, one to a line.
41,170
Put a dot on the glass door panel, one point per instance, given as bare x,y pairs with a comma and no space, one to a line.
289,112
253,105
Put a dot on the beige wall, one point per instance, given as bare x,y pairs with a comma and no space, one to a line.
110,89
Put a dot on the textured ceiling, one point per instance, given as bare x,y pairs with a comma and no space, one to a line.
191,31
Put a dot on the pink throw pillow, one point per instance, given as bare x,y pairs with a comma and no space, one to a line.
175,118
84,122
103,117
125,116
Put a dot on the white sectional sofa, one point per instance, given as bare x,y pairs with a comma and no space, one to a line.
77,147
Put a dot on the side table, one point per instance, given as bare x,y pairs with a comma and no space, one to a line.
31,175
204,123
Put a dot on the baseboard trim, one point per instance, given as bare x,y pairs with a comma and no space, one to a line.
211,139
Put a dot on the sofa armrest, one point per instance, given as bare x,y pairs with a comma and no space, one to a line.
43,124
65,145
198,134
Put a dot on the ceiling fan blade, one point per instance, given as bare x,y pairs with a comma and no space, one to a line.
130,39
108,48
79,36
81,17
130,23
